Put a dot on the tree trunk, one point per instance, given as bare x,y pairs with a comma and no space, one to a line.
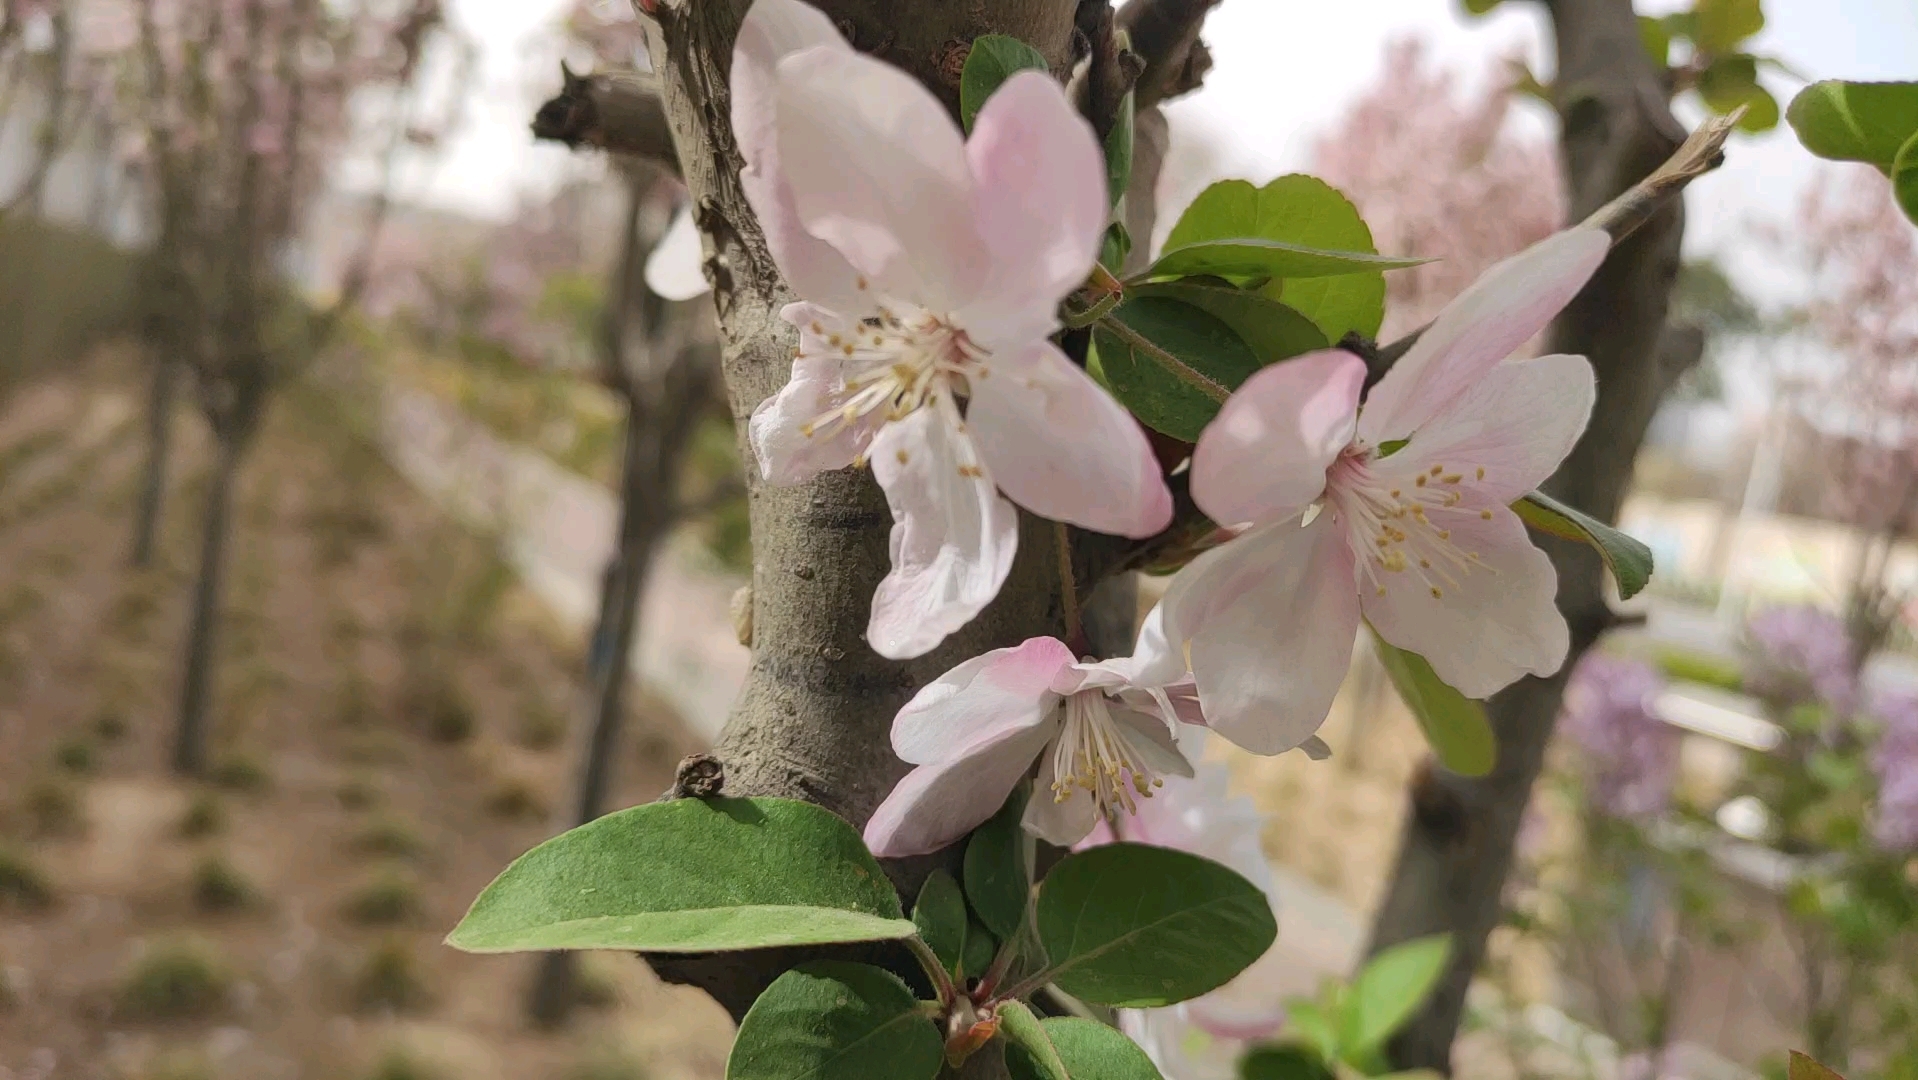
1458,837
146,521
190,740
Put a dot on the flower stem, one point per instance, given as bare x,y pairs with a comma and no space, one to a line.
1068,585
935,970
1184,372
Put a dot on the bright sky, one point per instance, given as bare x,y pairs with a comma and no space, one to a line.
1284,71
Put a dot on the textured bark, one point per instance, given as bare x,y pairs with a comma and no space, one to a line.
1458,837
616,111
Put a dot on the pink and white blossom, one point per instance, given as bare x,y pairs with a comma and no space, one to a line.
1202,1039
1397,513
1102,735
929,269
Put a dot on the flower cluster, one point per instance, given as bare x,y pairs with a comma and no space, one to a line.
1627,756
1800,655
1895,762
930,268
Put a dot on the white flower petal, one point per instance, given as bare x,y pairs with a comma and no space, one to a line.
1517,424
981,699
788,445
937,805
953,537
1263,458
674,269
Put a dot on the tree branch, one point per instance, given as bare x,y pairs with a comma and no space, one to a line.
1165,33
616,111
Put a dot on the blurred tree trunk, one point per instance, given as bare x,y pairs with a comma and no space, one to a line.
196,690
659,357
153,472
1457,841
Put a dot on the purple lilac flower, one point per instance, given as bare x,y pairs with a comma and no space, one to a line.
1895,761
1628,756
1800,655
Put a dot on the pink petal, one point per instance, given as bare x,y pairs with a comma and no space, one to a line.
1062,448
787,454
1269,620
982,699
1263,458
953,537
1494,623
674,269
1517,424
1224,1016
773,30
1040,196
878,170
1503,309
936,805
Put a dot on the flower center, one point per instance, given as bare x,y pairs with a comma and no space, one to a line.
1398,521
899,361
1095,754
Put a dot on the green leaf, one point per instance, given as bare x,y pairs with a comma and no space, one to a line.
1732,81
994,59
1390,989
1143,382
1629,560
836,1021
1302,210
1803,1067
1480,7
1255,257
1657,38
980,948
1855,121
940,915
1030,1054
1133,926
1904,178
1310,1024
1454,724
998,871
1719,25
1283,1063
690,875
1119,149
1273,330
1093,1051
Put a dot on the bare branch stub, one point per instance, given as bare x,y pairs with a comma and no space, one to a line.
1165,33
616,111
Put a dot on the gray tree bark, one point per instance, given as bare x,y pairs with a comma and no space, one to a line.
153,472
1457,841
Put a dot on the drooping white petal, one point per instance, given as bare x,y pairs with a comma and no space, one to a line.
953,536
1264,456
789,447
1503,309
673,268
1517,424
1061,447
773,30
1040,194
1493,622
982,699
1151,739
936,805
1063,822
878,170
1269,620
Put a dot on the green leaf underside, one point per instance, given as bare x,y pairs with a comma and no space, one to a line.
994,59
995,869
1629,560
1854,121
940,915
1390,989
1093,1051
1133,926
690,875
1732,81
1303,210
836,1021
1454,724
1118,148
1251,256
1030,1054
1160,399
1272,330
1282,1063
1904,178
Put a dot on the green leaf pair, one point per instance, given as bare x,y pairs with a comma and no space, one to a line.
1068,1048
1876,123
1346,1028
